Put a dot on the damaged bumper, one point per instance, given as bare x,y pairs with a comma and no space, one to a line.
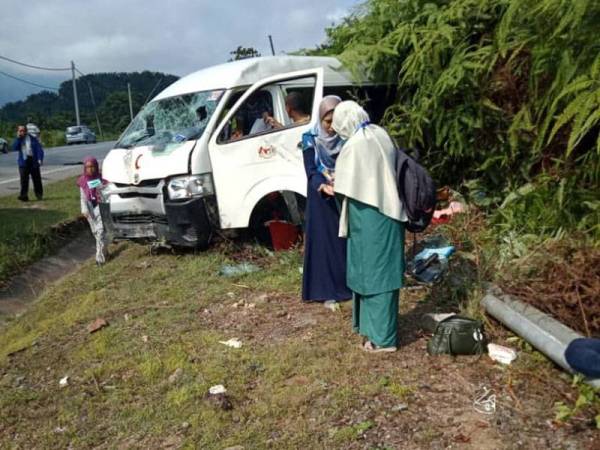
144,213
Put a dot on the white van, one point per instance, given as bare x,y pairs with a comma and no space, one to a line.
191,161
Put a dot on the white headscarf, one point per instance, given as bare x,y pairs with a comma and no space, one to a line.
365,167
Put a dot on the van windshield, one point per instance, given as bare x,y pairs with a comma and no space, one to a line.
171,120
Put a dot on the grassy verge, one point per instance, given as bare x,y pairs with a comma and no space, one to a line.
299,380
29,230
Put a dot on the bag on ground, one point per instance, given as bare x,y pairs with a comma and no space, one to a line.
458,335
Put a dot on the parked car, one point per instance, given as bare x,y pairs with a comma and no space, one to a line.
191,162
3,146
79,134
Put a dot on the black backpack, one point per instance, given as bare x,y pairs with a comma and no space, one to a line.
416,190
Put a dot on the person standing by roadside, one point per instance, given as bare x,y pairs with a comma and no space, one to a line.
30,158
89,185
372,219
324,274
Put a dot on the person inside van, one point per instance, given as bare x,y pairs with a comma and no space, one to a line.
238,128
372,219
324,273
255,109
294,107
89,185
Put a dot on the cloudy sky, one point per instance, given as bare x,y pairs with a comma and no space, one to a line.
176,36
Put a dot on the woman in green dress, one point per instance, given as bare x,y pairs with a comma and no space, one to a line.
372,220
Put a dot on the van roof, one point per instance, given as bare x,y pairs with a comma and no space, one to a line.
248,71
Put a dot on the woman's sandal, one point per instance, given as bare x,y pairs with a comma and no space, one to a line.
369,347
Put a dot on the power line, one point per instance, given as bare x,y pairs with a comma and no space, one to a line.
28,82
32,66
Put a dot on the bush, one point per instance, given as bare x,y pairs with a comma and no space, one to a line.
506,92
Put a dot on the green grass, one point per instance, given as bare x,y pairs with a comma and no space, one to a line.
26,229
299,381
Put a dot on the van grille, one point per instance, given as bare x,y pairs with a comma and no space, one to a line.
137,194
140,219
143,183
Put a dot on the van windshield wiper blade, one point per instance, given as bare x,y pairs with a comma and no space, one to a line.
137,141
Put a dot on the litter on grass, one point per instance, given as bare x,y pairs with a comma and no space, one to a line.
233,343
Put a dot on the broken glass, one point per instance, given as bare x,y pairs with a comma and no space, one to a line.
169,122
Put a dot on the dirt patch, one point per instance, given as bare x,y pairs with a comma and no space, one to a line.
266,318
419,401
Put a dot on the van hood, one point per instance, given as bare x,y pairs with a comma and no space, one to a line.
134,165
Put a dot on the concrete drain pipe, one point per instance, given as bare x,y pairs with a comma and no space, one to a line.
543,332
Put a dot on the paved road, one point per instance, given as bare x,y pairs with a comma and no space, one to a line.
59,163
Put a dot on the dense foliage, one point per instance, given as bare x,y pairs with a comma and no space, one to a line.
107,91
504,96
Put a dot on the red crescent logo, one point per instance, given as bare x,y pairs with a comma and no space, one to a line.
137,161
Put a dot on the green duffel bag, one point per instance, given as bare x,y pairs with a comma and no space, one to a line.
457,335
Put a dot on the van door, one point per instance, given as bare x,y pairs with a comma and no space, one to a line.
253,155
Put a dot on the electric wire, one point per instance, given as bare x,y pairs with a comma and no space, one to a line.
31,66
28,82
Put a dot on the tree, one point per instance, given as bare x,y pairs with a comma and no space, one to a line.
243,53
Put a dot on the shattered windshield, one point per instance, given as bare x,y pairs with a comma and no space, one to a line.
171,121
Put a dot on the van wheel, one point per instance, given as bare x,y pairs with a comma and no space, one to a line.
274,207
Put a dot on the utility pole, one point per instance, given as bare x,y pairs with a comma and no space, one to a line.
75,94
95,111
271,42
130,105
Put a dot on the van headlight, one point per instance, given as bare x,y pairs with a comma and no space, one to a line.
192,186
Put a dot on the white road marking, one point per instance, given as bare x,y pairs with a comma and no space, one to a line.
44,172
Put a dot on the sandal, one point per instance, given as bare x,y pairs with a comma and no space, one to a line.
369,347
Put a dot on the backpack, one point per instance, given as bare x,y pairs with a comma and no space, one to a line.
416,190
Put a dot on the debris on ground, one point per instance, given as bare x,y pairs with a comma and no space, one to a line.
217,389
444,215
243,304
96,325
229,270
175,375
332,305
233,343
64,381
485,401
400,407
218,397
502,354
441,252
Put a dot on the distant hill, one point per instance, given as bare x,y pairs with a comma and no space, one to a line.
50,110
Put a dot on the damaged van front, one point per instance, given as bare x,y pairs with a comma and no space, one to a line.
153,192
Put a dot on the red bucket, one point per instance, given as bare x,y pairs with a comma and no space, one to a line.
283,234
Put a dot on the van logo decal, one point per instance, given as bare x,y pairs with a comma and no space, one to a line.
265,152
137,161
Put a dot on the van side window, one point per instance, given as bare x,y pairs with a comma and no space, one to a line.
258,105
274,107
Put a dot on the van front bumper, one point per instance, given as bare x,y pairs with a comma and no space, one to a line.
182,223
